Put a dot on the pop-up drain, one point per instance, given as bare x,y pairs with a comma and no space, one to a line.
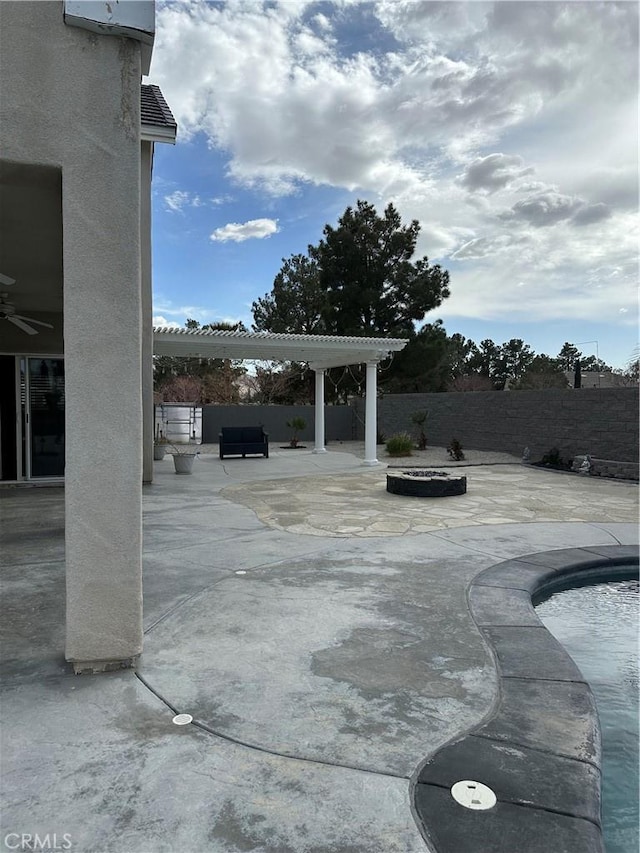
182,719
473,795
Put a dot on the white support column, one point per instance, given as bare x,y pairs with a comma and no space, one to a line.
319,401
370,424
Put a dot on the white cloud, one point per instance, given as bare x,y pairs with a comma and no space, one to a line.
449,120
591,213
494,172
179,199
546,208
159,320
239,232
182,312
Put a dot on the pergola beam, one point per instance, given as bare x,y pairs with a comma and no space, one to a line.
321,352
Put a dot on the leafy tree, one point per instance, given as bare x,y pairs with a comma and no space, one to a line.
515,359
591,364
471,382
360,280
287,384
568,356
543,372
180,389
295,304
501,363
632,370
461,352
422,366
371,285
484,360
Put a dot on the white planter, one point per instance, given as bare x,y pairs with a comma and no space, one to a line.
183,462
158,452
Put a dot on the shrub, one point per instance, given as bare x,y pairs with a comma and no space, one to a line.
400,444
552,457
455,450
297,425
419,419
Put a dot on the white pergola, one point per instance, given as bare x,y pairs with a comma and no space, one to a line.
320,352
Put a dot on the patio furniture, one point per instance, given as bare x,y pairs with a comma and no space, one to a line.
239,441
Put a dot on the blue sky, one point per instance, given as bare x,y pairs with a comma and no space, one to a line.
497,125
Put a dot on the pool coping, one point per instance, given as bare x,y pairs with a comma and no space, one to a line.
539,747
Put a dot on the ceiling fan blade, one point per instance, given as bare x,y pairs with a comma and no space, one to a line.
21,325
31,320
7,280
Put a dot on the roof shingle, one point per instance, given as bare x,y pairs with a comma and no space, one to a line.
154,110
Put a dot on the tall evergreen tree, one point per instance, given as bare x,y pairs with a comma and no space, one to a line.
296,302
371,285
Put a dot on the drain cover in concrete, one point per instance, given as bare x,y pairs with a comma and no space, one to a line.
473,795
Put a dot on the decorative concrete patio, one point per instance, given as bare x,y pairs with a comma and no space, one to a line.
321,664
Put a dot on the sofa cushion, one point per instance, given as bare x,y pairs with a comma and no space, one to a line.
243,435
232,435
252,434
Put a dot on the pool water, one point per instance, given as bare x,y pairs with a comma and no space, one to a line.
598,626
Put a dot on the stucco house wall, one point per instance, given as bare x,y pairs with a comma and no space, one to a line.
71,100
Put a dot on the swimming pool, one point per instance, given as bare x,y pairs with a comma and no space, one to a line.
598,626
539,748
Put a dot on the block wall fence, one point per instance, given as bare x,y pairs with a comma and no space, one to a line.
602,422
339,421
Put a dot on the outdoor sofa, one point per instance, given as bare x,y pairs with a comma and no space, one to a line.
239,441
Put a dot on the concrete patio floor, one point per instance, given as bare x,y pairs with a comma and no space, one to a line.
316,628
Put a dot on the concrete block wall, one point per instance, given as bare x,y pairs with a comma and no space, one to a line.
617,470
602,422
339,421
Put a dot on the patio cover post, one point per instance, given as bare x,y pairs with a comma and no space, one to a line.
370,424
319,402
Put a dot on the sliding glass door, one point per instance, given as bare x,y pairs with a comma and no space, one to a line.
32,403
44,417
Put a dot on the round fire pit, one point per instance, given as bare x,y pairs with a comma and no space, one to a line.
426,484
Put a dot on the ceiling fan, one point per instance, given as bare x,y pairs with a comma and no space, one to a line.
8,312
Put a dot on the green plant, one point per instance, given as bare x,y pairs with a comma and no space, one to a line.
180,449
455,450
552,458
419,418
159,437
297,425
400,444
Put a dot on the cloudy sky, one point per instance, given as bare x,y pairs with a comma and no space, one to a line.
508,129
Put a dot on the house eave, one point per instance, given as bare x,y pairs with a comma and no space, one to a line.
153,133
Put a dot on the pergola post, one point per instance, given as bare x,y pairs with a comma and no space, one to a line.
321,352
319,402
370,424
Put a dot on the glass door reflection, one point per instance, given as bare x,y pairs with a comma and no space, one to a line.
46,417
